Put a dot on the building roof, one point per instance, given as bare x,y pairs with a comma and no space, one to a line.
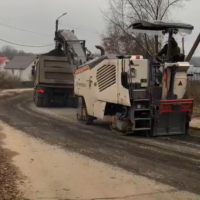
2,60
20,62
195,61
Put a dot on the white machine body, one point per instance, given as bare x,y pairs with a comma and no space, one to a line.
99,82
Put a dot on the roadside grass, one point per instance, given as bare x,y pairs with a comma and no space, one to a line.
8,81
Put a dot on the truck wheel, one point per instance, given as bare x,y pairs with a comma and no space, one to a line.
69,102
81,113
75,102
38,102
45,102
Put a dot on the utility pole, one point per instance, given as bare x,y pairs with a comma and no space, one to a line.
56,32
57,27
193,49
183,45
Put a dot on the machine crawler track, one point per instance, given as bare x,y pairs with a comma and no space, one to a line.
127,133
117,131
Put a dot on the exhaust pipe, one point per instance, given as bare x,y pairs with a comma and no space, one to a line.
101,49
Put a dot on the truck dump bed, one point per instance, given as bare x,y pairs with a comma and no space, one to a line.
53,70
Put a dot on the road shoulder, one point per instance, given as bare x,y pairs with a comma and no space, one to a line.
5,94
195,123
52,173
9,174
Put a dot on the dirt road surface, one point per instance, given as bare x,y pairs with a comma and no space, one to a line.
4,94
62,159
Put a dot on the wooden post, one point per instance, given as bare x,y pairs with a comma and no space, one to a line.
193,49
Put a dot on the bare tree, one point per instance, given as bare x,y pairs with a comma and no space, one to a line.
122,13
10,52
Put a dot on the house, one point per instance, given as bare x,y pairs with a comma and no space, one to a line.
21,66
194,69
3,62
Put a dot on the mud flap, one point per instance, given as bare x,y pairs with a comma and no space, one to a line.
170,124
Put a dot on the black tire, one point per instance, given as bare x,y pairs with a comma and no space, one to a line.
75,102
71,102
45,102
41,101
67,102
38,101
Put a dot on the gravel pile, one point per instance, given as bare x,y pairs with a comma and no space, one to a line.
8,177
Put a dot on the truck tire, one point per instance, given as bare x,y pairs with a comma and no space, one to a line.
38,101
41,101
69,102
75,102
45,102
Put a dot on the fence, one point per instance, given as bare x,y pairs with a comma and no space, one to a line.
196,73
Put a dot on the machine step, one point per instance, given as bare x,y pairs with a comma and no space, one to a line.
142,109
141,99
142,119
140,90
142,129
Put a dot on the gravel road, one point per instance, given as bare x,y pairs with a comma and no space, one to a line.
173,161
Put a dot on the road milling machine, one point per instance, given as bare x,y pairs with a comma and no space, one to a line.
137,95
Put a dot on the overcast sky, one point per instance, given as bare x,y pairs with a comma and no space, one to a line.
84,16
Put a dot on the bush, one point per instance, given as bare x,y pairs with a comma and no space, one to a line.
8,81
193,91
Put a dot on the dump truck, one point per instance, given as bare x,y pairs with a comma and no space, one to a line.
54,73
54,82
136,94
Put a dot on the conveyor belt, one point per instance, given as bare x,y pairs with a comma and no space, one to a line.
67,35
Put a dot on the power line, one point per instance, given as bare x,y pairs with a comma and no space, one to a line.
25,30
79,29
23,45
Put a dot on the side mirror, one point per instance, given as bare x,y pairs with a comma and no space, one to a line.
33,72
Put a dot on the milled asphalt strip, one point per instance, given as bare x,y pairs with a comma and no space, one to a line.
152,147
142,144
52,115
128,139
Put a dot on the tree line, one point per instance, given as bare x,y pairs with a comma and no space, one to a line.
10,52
121,13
